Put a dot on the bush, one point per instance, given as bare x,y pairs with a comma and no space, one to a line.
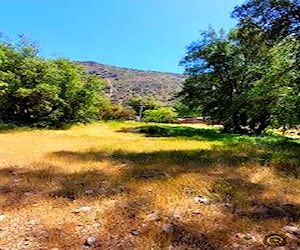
162,115
110,111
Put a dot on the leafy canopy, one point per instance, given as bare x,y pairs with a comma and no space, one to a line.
42,92
243,79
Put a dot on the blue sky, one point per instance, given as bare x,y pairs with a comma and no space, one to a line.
141,34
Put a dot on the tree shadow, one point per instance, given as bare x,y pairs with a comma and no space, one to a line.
25,186
180,131
276,150
165,164
264,210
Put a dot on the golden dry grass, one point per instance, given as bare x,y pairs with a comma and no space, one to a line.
45,175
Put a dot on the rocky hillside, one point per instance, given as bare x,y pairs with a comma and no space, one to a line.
123,83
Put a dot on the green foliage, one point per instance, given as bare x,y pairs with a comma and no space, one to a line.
239,79
43,93
163,115
141,104
109,111
278,19
267,149
184,110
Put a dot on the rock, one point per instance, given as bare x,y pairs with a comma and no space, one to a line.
168,228
197,211
134,232
152,217
90,241
292,230
177,216
2,217
202,199
89,192
82,209
246,236
235,246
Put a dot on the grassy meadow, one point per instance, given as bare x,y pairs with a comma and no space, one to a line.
139,179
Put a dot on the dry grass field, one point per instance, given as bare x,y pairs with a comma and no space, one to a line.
118,186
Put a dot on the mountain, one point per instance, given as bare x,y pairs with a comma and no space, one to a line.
123,83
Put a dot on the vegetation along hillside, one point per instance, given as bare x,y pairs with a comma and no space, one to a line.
123,83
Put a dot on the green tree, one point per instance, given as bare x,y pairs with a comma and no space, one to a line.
41,92
237,78
277,18
140,104
279,21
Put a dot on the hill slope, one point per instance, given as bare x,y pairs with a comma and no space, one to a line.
123,83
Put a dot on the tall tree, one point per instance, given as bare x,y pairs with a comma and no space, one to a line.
237,78
277,18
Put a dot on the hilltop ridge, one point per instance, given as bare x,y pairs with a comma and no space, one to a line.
123,83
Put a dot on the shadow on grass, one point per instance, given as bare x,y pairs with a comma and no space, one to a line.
26,185
282,152
264,210
165,164
179,131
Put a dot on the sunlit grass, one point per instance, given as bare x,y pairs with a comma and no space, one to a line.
125,171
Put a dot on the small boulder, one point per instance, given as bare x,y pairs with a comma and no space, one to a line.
89,192
82,209
246,236
202,200
197,211
168,228
2,217
153,217
90,241
134,232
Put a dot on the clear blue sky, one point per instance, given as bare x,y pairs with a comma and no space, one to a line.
141,34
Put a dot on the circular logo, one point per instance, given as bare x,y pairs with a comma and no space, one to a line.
274,240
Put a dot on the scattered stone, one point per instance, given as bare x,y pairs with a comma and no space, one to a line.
292,230
177,216
153,217
197,211
90,241
89,192
236,246
228,205
246,236
2,217
134,232
82,209
28,194
202,199
168,228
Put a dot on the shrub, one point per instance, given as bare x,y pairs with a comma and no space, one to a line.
162,115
